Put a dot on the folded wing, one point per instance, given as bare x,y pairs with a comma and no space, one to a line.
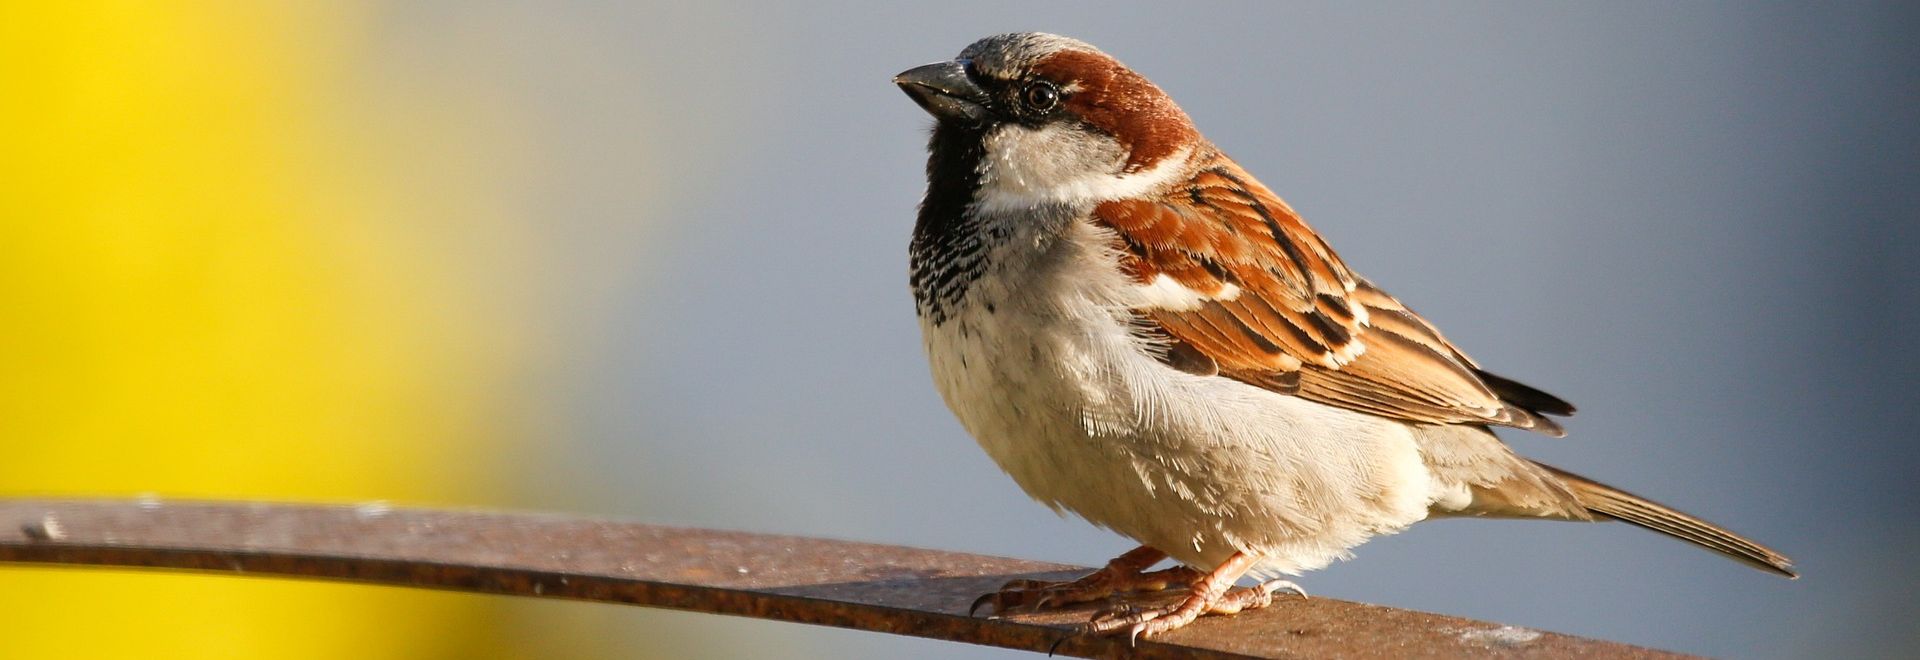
1243,288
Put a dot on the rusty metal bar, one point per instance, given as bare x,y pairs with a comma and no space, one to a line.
889,589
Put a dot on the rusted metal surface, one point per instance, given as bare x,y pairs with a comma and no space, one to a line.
890,589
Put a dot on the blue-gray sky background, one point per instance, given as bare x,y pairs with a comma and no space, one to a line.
1695,221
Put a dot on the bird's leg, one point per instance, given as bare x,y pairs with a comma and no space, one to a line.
1213,593
1125,574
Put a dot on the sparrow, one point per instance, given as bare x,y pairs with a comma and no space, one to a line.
1141,333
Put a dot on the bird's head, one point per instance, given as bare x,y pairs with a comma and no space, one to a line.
1051,120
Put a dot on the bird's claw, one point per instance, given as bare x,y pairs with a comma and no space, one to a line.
1036,595
1138,623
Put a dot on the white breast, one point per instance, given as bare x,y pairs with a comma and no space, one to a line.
1041,363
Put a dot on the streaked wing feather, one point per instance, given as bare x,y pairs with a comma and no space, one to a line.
1278,309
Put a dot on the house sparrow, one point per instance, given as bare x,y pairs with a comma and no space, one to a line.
1141,333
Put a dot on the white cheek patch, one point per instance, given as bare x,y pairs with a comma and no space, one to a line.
1026,168
1166,293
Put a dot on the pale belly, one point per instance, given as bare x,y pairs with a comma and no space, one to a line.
1069,402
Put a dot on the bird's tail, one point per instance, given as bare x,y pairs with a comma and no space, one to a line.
1609,502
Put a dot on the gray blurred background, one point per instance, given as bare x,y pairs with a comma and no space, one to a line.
1694,221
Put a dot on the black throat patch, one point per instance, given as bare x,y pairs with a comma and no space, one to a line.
948,253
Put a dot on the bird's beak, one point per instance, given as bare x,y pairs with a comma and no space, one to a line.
944,91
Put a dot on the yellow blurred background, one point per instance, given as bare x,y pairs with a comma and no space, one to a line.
232,271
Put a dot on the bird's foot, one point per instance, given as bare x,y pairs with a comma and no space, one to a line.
1137,623
1125,574
1213,593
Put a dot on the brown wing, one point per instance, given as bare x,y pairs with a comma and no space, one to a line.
1270,304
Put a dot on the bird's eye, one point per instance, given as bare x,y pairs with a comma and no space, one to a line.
1041,96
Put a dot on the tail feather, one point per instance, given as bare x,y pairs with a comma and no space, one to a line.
1620,505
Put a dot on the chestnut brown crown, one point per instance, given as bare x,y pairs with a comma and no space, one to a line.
1035,79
